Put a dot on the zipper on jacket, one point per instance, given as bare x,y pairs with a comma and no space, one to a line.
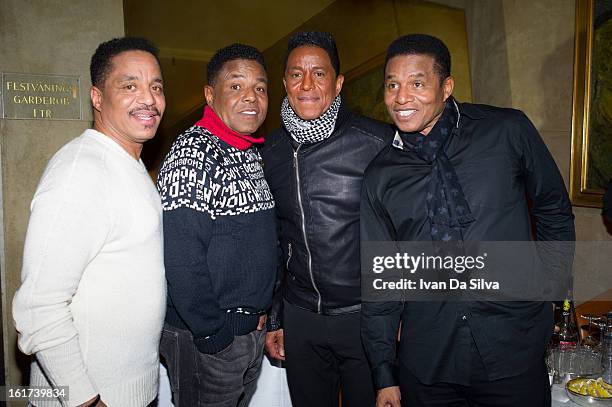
299,197
288,256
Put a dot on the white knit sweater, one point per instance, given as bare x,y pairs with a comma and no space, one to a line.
92,300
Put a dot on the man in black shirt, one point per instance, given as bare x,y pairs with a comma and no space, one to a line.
457,172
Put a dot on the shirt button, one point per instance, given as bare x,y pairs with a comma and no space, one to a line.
464,317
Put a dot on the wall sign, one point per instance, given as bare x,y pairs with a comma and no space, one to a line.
40,97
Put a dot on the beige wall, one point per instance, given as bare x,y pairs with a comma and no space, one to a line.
488,52
51,37
526,63
522,57
364,29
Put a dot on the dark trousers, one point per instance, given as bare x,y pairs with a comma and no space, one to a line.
529,389
324,353
224,379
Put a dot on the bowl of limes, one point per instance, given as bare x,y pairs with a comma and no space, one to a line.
590,392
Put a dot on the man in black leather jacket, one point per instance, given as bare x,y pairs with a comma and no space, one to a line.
314,166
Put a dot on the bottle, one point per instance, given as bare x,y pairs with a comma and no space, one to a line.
568,334
558,318
606,357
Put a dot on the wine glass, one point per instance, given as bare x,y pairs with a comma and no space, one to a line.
591,341
601,324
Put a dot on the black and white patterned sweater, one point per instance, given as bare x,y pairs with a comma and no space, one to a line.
220,242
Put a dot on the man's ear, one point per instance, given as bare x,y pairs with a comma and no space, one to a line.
209,94
339,83
285,84
96,98
448,85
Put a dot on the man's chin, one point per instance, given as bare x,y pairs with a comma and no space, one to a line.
148,133
405,129
408,127
308,114
251,128
145,129
246,130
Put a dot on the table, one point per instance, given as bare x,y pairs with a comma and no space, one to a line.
559,397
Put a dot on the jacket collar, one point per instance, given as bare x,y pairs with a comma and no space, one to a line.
469,110
399,143
472,111
344,115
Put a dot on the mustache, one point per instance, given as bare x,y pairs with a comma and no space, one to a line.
145,108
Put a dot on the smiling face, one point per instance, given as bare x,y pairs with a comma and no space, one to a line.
311,82
414,95
130,102
239,95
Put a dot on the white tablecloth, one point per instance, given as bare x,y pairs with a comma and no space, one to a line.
559,397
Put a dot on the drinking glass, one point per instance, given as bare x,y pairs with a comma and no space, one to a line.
591,341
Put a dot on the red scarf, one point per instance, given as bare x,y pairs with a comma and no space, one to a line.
215,125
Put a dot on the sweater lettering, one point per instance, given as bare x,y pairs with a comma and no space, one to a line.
203,174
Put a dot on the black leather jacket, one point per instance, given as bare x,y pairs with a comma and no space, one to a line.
317,191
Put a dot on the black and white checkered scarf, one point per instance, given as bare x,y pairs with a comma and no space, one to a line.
310,131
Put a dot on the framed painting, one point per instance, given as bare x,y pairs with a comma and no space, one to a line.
591,157
363,89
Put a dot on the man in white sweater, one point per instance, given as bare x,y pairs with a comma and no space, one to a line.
92,301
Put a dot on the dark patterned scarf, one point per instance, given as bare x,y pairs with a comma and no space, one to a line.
447,209
310,131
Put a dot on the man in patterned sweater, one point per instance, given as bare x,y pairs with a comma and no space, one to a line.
219,239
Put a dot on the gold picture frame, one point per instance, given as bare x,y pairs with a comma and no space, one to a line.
586,178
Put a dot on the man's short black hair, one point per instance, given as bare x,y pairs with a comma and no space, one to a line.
101,60
315,39
423,44
232,53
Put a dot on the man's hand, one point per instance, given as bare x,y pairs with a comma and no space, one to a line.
388,397
275,344
262,322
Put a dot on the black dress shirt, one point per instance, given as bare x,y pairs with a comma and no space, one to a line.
508,177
